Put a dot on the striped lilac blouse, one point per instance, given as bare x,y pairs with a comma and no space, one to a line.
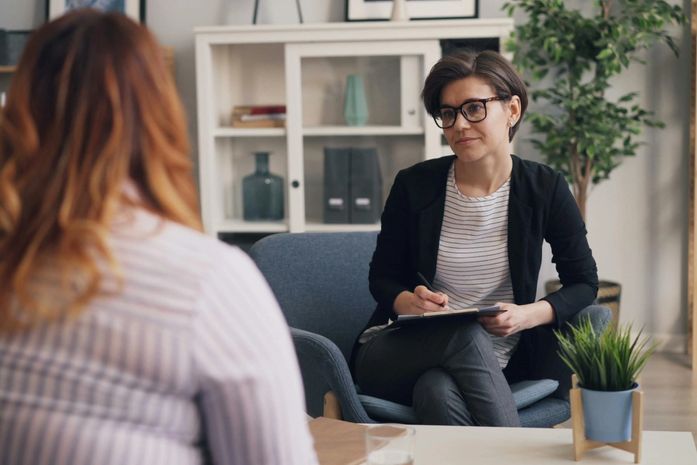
191,363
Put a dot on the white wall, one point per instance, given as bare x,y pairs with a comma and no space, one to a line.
637,220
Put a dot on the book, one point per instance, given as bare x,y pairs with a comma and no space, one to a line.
267,123
258,116
338,442
262,117
462,312
258,109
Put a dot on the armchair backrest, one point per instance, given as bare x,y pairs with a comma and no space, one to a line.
320,281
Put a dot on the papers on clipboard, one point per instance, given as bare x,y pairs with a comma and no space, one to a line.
474,312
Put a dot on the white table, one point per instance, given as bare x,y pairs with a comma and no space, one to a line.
447,445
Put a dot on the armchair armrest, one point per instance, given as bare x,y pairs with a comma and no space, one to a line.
600,317
324,368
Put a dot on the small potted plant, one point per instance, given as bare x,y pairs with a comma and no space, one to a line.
607,366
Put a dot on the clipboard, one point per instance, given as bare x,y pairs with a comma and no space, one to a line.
472,312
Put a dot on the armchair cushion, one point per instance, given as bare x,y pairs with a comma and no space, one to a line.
525,393
385,410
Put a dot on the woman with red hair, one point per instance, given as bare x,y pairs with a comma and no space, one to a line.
126,335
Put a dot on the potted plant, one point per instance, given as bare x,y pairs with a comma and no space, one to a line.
572,55
607,366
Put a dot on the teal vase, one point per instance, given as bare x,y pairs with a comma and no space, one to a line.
262,192
355,103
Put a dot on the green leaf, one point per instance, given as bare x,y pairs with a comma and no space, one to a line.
610,361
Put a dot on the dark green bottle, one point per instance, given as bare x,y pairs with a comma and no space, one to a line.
262,192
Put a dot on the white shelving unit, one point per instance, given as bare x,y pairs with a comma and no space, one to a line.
304,67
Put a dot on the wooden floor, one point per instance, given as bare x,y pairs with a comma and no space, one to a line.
670,394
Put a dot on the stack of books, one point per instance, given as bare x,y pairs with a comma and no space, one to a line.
259,116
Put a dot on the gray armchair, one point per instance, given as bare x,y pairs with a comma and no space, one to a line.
321,283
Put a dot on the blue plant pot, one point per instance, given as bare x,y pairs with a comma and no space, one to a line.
608,414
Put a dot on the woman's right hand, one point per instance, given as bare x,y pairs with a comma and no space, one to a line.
420,301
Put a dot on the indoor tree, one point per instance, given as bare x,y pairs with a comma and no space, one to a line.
572,54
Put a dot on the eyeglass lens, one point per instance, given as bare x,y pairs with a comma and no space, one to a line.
472,111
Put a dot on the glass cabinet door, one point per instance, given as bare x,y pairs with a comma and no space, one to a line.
354,122
246,115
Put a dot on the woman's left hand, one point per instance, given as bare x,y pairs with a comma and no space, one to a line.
517,318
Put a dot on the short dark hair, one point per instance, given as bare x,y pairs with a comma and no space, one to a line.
487,65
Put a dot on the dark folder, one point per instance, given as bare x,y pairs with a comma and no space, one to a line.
366,186
336,185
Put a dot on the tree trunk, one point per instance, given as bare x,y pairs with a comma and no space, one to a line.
581,195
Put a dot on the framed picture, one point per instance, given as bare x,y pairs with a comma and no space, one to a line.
133,8
11,46
361,10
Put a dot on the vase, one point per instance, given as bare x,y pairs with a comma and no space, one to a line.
262,192
399,11
355,103
607,414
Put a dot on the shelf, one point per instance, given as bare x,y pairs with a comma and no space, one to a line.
249,132
321,227
329,131
8,69
240,226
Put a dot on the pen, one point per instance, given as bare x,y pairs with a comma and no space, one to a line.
428,285
424,281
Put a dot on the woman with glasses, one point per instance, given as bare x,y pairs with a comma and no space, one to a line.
472,224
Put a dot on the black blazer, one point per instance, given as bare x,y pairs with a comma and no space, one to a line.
541,207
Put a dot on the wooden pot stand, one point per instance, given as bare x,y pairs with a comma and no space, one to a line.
581,444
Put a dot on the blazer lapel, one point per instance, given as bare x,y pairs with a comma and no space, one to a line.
430,222
430,217
519,216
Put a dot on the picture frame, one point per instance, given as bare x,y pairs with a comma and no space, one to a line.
367,10
135,9
11,46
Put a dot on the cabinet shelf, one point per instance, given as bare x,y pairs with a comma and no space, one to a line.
249,132
322,227
241,226
330,131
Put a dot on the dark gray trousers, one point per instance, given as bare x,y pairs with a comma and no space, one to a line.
446,370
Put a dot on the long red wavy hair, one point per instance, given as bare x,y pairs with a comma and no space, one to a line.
91,108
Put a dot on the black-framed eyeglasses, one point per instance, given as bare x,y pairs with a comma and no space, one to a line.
473,110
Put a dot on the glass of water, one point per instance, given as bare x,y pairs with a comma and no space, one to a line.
389,445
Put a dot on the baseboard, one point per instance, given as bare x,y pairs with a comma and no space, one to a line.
667,342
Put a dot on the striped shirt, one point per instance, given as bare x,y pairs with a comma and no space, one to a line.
472,267
191,361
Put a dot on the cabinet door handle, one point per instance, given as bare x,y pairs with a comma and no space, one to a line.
295,183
